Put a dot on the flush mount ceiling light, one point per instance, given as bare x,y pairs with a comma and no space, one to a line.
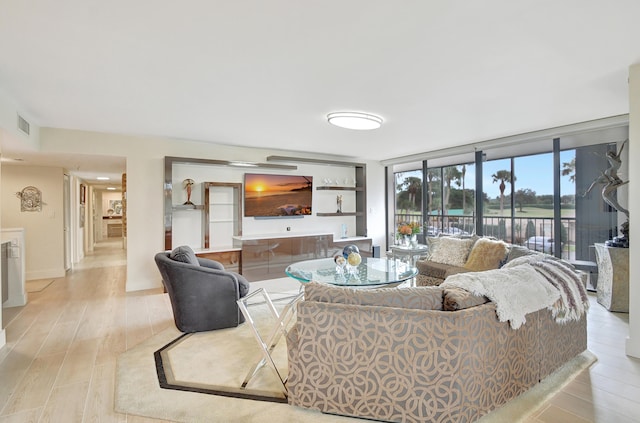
355,120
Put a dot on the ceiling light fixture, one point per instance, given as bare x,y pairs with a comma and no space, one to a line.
102,178
111,188
355,120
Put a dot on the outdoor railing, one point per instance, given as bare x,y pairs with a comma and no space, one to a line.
521,233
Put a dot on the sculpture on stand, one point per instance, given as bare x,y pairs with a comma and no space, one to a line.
612,182
188,183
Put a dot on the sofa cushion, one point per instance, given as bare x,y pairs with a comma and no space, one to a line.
459,299
438,270
185,254
420,298
431,268
516,251
487,254
452,251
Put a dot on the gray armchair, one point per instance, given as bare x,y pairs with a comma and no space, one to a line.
203,295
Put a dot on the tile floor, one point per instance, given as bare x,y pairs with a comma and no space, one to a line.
59,361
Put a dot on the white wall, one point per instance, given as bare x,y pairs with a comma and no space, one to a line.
145,176
3,335
44,240
9,110
633,341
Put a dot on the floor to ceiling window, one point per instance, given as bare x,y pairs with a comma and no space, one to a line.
529,199
408,199
497,185
451,199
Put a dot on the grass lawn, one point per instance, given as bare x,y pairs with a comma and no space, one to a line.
533,212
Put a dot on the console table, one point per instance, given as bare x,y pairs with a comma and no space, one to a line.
613,277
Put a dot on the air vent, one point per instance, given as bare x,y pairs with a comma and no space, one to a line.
23,125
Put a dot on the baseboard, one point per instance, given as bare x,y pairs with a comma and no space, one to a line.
31,275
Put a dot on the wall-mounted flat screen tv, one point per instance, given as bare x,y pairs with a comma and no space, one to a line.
267,195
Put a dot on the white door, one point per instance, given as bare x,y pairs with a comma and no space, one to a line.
67,222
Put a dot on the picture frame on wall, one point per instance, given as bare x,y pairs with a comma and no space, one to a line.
83,193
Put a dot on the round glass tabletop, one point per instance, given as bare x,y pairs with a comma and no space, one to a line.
370,272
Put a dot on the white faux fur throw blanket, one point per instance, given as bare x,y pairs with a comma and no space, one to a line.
573,302
516,290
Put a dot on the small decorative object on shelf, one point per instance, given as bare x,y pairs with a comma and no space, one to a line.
188,183
339,203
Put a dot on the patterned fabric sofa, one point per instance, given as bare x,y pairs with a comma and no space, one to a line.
452,255
423,354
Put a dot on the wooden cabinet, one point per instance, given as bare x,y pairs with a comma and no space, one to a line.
365,245
112,226
230,259
267,258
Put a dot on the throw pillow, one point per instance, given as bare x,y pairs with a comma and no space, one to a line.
519,251
185,254
419,298
487,254
452,251
432,242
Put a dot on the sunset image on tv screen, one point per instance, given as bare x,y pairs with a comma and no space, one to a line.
277,195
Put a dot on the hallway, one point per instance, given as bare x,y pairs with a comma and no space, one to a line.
106,253
59,361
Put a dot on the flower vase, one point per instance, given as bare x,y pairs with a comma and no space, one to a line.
414,241
406,240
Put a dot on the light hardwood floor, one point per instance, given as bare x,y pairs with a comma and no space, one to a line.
59,361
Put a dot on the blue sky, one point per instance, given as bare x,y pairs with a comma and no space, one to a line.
533,172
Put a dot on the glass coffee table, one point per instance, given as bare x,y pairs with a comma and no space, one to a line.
370,273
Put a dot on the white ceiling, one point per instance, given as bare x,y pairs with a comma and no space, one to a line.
266,73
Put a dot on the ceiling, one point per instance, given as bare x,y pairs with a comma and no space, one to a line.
266,73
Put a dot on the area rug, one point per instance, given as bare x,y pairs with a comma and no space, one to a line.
138,389
184,364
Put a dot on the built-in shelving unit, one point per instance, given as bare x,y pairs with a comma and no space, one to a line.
223,213
188,207
341,214
170,207
359,188
220,217
336,188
